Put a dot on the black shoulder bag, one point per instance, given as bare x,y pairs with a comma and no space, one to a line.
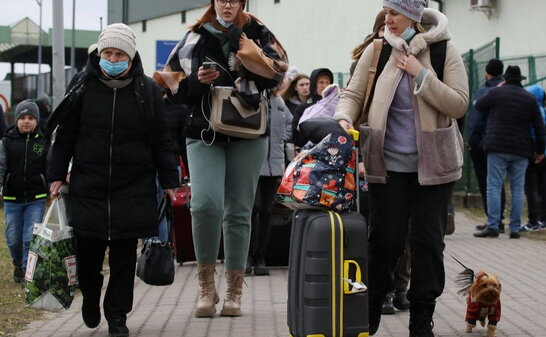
156,263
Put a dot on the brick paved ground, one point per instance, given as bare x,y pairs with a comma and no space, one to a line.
167,311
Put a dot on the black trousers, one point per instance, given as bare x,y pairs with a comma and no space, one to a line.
118,300
479,162
535,189
261,216
402,274
392,207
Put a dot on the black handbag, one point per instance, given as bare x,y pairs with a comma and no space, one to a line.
156,263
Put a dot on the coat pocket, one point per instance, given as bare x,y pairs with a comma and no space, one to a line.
371,144
441,152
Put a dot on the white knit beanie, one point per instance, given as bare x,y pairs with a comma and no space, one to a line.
120,36
412,9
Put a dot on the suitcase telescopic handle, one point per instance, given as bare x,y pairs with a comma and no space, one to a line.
354,134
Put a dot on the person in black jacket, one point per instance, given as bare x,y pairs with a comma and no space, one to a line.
476,125
320,79
511,111
224,170
23,153
117,138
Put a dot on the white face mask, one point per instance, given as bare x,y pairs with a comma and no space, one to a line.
222,22
408,33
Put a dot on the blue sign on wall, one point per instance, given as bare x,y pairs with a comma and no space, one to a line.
162,51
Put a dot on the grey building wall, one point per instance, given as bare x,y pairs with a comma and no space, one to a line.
131,11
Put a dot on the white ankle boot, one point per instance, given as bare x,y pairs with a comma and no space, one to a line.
208,298
232,302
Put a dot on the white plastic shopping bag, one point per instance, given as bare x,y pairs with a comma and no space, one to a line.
51,268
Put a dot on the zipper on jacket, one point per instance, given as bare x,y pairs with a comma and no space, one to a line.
110,163
417,117
25,169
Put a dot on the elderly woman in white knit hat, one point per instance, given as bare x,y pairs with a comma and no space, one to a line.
413,152
111,125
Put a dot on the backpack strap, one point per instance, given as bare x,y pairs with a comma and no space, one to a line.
384,56
149,98
383,51
373,72
438,58
145,96
377,51
76,88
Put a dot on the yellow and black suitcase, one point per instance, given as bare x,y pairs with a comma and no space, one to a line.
327,276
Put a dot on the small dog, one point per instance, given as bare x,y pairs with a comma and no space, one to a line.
483,301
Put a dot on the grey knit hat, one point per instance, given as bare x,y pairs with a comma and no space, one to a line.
412,9
120,36
27,107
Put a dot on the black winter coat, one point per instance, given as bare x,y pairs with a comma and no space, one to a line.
477,119
117,149
511,113
24,179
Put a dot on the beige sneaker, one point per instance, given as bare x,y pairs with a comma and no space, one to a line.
208,297
232,302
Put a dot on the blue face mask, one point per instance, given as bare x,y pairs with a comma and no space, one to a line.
408,33
222,22
113,68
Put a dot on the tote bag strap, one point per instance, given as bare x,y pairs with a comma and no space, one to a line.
61,217
165,212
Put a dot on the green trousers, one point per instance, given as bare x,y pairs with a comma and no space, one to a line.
224,177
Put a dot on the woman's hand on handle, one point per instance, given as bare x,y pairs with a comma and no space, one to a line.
346,125
54,189
361,170
172,193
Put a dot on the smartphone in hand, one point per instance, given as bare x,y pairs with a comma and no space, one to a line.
209,65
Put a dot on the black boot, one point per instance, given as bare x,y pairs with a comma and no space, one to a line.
374,312
387,308
18,274
248,269
421,323
260,269
400,300
91,311
487,233
117,328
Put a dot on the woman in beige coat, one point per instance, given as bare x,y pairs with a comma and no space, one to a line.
413,154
